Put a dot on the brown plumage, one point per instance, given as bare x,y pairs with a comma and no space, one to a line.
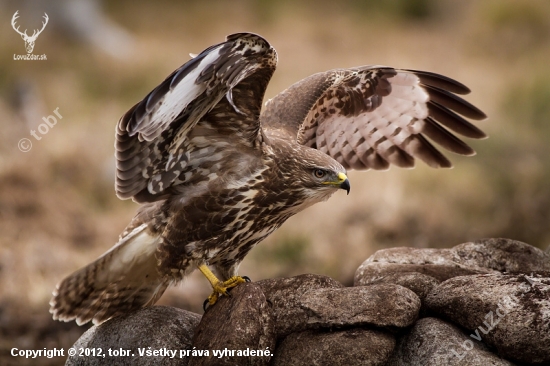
215,176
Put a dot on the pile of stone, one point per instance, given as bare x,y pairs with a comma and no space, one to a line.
480,303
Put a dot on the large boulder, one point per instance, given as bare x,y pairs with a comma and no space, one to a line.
509,312
437,263
495,255
383,305
312,302
503,255
142,338
433,342
285,296
240,326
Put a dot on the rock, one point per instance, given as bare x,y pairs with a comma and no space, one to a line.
284,295
383,305
152,328
509,312
346,347
433,342
241,322
419,283
481,256
437,263
503,255
316,320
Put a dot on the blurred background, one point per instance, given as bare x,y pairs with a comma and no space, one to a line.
58,209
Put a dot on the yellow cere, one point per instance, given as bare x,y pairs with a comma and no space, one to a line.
342,177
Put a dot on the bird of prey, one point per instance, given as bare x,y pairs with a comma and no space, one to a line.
216,175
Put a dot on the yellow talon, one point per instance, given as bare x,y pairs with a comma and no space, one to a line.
218,287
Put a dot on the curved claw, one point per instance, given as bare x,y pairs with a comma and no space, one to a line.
245,278
223,288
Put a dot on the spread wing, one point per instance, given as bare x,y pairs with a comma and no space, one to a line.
210,102
373,116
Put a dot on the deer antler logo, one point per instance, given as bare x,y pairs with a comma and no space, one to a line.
29,41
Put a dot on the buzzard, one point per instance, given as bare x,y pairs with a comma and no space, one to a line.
216,175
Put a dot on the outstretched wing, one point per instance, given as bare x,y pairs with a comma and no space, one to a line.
215,98
373,116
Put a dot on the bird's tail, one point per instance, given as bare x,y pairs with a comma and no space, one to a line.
122,280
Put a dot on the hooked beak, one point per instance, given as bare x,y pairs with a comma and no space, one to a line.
344,182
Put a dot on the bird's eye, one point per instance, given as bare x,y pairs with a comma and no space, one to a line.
319,173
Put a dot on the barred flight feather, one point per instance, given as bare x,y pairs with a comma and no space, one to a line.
372,117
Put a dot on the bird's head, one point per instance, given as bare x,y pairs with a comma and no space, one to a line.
318,175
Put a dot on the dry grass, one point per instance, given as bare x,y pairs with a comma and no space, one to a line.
58,210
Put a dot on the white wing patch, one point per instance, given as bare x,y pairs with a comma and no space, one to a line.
165,110
404,79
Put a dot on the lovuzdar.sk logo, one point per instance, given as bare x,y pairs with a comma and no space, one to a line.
29,40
